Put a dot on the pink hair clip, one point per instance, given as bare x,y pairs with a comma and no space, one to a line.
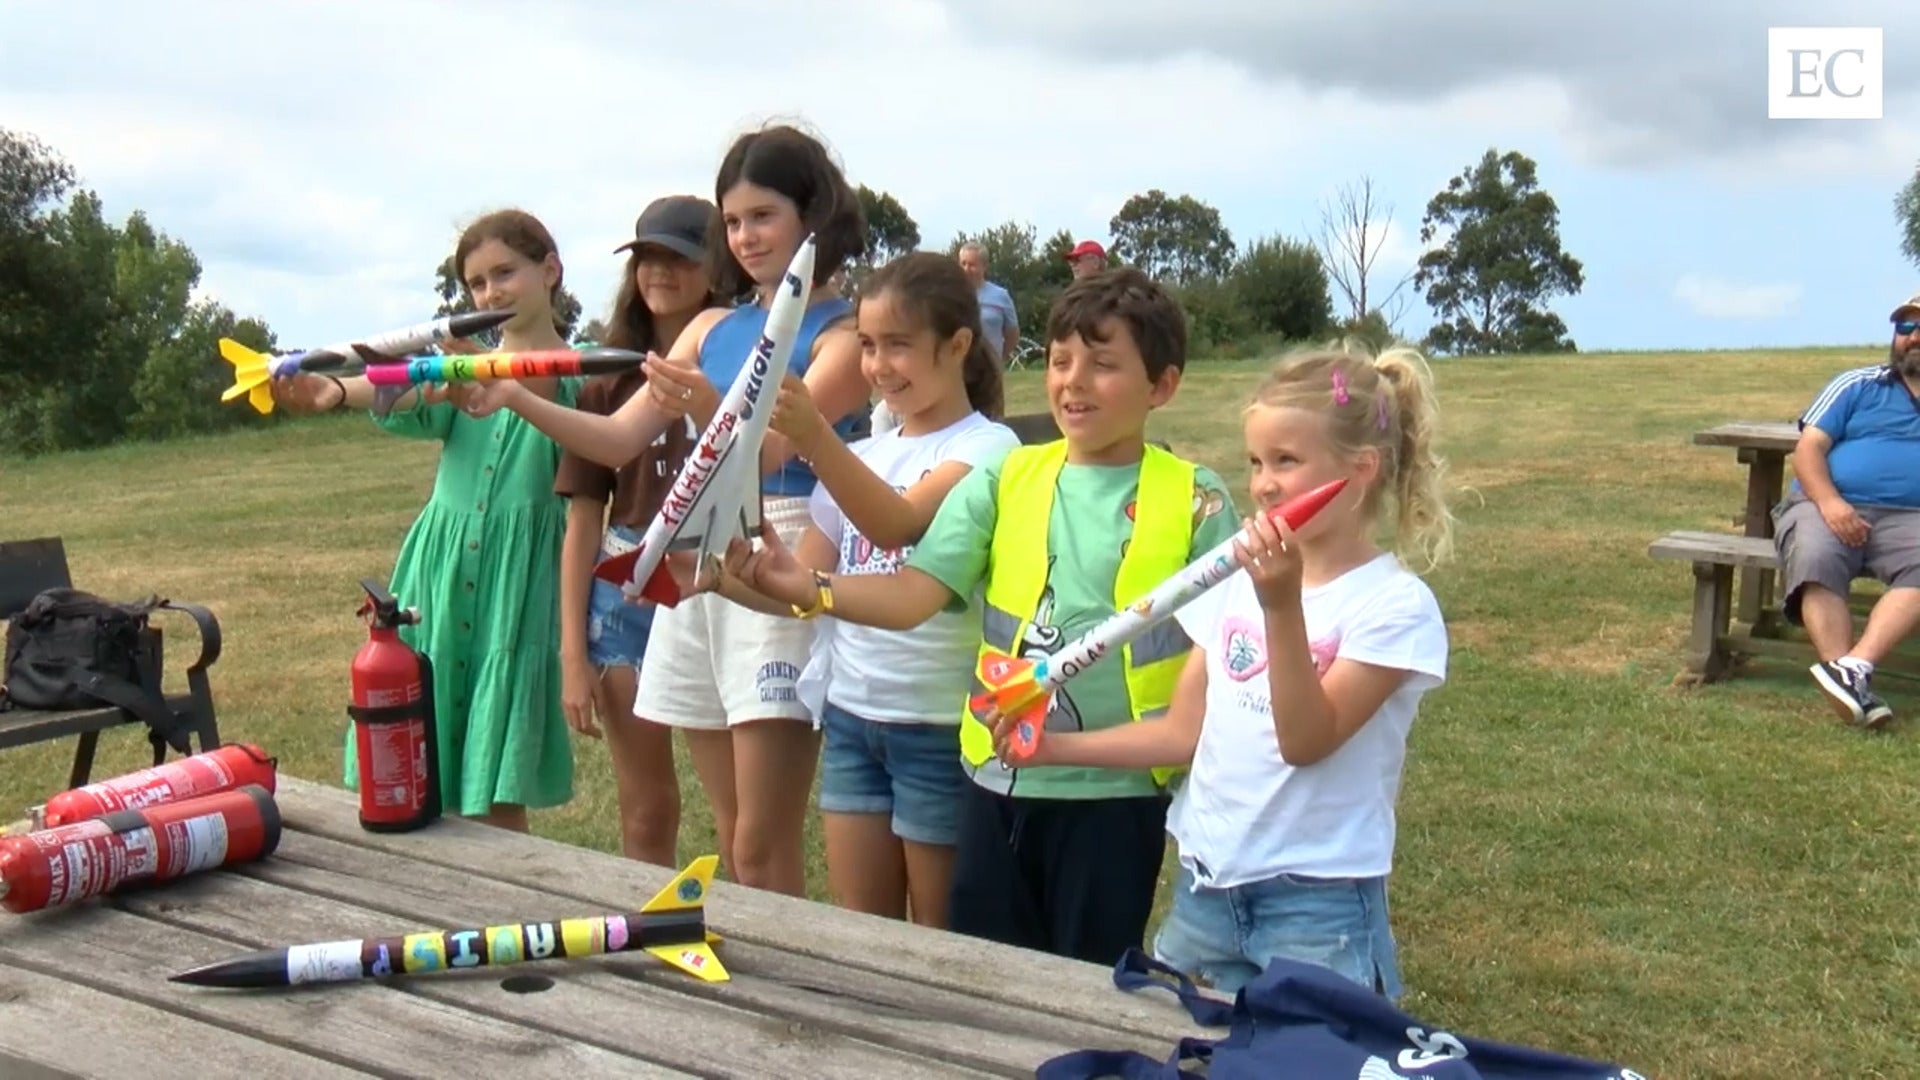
1340,387
1382,410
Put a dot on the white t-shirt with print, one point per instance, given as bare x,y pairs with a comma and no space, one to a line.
1243,814
912,676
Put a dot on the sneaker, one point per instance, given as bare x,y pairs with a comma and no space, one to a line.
1850,694
1878,711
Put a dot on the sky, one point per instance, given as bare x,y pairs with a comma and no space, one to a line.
321,157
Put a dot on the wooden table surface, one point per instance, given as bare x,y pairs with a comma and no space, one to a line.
816,991
1773,435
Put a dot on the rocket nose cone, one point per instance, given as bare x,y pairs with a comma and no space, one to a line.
468,323
1301,508
800,270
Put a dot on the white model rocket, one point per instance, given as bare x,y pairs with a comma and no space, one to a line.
716,497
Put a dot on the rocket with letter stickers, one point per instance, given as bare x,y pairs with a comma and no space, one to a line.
672,926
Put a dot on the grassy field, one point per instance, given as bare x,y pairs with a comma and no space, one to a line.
1719,883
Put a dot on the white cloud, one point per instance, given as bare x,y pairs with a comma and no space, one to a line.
1714,298
321,161
321,157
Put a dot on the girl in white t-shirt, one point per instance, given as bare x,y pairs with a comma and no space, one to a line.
1305,676
889,701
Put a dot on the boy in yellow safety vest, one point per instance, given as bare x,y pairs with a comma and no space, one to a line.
1050,540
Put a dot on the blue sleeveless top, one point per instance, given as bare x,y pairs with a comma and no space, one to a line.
725,351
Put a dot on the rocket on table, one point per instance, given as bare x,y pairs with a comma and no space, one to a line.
672,926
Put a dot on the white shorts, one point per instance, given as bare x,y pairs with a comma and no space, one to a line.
712,664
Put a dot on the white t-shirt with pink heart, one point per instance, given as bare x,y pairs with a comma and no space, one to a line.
1243,814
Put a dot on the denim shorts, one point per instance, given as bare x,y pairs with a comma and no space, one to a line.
617,629
910,770
1224,937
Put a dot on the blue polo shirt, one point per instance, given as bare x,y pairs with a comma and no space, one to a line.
996,314
1874,423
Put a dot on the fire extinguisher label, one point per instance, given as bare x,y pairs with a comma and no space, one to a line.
388,699
196,844
70,860
391,771
143,857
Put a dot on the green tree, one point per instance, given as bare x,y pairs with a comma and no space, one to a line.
99,339
177,391
891,233
1281,287
1501,260
1906,213
1175,239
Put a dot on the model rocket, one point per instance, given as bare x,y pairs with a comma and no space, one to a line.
253,370
489,367
672,926
716,497
1023,689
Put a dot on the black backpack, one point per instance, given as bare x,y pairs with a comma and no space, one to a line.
71,650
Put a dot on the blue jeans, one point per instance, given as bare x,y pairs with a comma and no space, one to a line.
617,630
910,770
1225,937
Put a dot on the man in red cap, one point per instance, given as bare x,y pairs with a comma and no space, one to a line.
1087,258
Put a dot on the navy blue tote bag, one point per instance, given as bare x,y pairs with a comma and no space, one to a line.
1302,1020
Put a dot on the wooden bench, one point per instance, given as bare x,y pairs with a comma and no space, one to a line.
30,567
1714,645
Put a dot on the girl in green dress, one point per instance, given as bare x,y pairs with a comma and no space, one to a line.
481,561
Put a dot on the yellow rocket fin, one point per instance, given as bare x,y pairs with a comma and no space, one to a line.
696,960
688,889
249,375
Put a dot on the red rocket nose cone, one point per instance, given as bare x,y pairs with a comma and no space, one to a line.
1300,509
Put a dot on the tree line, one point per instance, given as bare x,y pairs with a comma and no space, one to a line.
102,338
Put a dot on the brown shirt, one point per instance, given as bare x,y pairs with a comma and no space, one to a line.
635,491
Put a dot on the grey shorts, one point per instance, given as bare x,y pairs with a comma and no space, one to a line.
1809,552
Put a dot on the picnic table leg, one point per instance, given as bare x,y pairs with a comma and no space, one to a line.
1766,478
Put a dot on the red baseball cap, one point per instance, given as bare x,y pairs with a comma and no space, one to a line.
1086,247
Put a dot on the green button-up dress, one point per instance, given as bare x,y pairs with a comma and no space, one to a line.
482,565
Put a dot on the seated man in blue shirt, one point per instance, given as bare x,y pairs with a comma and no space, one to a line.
1854,510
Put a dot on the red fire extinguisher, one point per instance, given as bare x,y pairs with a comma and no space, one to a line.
231,766
53,867
395,738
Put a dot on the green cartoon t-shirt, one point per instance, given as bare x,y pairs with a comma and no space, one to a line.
1092,518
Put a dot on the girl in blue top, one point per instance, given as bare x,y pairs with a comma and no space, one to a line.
726,675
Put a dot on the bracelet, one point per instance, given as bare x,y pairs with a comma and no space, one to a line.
822,601
338,385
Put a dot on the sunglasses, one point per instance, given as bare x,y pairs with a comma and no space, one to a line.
1906,326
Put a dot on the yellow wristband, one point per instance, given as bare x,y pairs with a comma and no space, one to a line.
822,601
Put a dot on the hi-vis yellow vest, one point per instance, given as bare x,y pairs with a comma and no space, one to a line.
1161,545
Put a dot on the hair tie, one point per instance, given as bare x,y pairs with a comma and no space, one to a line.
1340,387
1381,402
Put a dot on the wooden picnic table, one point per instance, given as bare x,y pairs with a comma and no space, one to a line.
1762,446
816,991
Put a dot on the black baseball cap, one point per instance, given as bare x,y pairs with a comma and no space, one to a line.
675,222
